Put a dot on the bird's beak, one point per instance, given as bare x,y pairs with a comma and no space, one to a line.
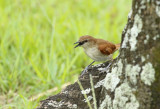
77,45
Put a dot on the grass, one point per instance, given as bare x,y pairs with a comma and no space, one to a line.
36,43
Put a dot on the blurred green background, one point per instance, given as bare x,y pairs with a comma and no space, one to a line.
36,44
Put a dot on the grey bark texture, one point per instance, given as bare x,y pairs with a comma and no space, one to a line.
133,79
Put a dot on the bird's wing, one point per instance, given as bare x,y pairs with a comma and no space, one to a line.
106,47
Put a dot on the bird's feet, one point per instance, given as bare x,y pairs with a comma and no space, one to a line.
85,70
109,64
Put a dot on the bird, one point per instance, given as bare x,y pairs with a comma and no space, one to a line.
97,49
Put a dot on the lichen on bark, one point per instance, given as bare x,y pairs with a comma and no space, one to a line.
139,70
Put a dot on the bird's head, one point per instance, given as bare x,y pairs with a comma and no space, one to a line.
85,41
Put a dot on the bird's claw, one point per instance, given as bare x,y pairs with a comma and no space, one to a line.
108,66
85,70
105,69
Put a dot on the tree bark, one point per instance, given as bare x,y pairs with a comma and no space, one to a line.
133,79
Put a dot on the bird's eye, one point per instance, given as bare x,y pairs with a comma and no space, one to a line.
84,41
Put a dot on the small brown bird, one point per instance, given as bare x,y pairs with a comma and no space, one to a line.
97,49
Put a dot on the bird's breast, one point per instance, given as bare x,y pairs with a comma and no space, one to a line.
95,54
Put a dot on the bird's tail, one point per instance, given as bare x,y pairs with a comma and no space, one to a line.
118,46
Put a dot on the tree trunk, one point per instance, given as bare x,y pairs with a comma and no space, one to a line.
133,79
